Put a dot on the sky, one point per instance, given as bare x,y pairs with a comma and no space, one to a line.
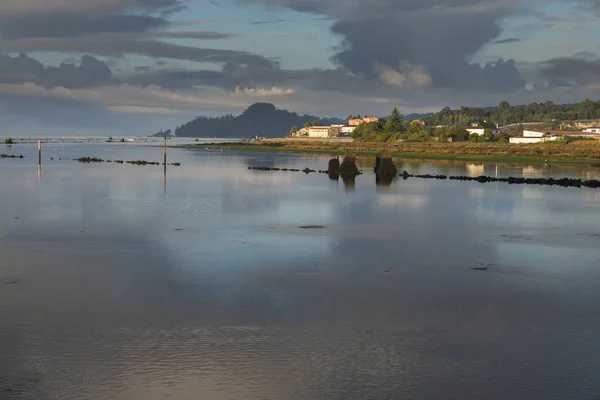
136,66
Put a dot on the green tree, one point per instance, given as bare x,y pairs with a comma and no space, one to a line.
370,132
395,124
488,135
8,140
293,130
314,122
474,137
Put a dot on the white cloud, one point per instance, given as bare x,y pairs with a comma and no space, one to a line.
406,76
261,92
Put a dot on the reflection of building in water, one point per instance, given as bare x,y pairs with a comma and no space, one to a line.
475,169
531,171
590,175
532,192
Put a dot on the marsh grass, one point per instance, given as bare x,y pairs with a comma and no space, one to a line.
577,152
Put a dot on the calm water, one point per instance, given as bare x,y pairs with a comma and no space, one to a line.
117,285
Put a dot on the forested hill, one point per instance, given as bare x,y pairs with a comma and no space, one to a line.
260,119
506,114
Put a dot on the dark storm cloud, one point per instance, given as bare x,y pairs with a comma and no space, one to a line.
195,34
90,72
507,40
232,76
66,26
17,8
437,36
118,45
583,71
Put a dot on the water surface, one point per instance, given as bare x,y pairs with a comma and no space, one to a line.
115,284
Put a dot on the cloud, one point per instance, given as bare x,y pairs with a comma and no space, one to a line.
507,40
261,92
196,34
581,69
131,98
24,7
67,26
119,45
407,75
145,110
439,36
90,72
273,21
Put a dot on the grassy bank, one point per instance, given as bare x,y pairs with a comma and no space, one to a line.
580,152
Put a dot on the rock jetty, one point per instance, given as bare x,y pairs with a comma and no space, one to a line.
565,182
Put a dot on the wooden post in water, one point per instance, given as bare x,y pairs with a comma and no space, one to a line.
39,152
165,167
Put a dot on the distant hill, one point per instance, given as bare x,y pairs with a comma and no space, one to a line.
411,117
166,133
260,119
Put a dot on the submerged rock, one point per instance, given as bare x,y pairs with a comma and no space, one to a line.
511,180
89,160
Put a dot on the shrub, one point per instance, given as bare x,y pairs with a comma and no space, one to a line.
8,140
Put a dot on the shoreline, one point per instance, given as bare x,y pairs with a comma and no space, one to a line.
574,153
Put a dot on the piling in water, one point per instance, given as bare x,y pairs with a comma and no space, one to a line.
348,166
385,170
334,166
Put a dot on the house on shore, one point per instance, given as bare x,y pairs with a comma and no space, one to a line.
480,127
358,121
592,130
318,131
549,136
347,130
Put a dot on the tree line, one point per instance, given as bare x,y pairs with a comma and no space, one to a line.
396,128
451,124
506,114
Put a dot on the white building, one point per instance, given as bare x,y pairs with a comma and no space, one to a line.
532,137
537,136
318,131
524,139
592,130
479,128
347,130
